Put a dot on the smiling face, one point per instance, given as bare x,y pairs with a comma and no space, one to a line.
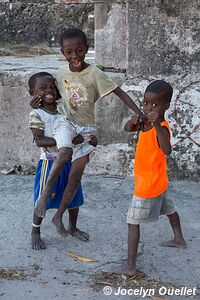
74,50
45,87
154,102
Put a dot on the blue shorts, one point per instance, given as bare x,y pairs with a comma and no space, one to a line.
42,173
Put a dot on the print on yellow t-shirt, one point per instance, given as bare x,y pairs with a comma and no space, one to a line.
76,93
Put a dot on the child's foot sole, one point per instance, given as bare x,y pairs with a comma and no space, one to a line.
36,242
173,243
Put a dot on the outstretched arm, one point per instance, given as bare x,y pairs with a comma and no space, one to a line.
127,100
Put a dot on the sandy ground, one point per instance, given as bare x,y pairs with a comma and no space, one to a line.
52,274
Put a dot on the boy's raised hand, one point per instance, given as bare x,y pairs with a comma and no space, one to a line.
133,124
153,118
135,119
36,102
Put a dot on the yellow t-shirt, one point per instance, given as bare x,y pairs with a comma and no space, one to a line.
80,91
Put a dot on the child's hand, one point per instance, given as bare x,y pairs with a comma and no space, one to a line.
135,119
133,124
36,101
153,118
93,140
78,139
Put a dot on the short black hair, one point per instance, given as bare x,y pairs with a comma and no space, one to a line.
73,33
32,79
161,87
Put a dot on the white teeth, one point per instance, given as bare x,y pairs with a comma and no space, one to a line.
49,96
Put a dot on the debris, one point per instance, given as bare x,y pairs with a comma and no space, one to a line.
6,169
11,274
20,273
105,283
140,279
81,258
137,276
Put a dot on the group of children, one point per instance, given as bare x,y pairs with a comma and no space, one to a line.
63,126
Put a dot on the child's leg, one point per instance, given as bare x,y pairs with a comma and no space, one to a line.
77,169
64,155
133,241
37,243
72,229
178,240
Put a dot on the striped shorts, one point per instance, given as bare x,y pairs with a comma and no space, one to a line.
42,173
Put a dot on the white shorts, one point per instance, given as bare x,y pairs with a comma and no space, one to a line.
65,131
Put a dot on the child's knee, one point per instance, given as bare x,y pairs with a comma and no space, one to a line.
172,215
64,154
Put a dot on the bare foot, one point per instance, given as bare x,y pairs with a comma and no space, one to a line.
40,207
37,243
174,243
57,221
125,269
80,235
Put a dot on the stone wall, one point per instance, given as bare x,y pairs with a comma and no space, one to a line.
34,23
155,39
17,148
164,37
115,153
111,34
160,40
164,43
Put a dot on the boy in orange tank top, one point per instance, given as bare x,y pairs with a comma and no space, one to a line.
150,194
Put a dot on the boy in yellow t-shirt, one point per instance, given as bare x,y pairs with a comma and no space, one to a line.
80,86
150,198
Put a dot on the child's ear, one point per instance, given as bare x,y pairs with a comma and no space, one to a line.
87,48
61,49
31,92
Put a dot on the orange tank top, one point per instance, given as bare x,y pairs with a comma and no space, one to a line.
150,165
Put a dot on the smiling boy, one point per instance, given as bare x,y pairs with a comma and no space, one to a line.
80,86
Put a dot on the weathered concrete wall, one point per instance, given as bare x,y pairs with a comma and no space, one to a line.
35,23
161,39
148,37
164,36
16,140
162,44
184,119
113,155
111,34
